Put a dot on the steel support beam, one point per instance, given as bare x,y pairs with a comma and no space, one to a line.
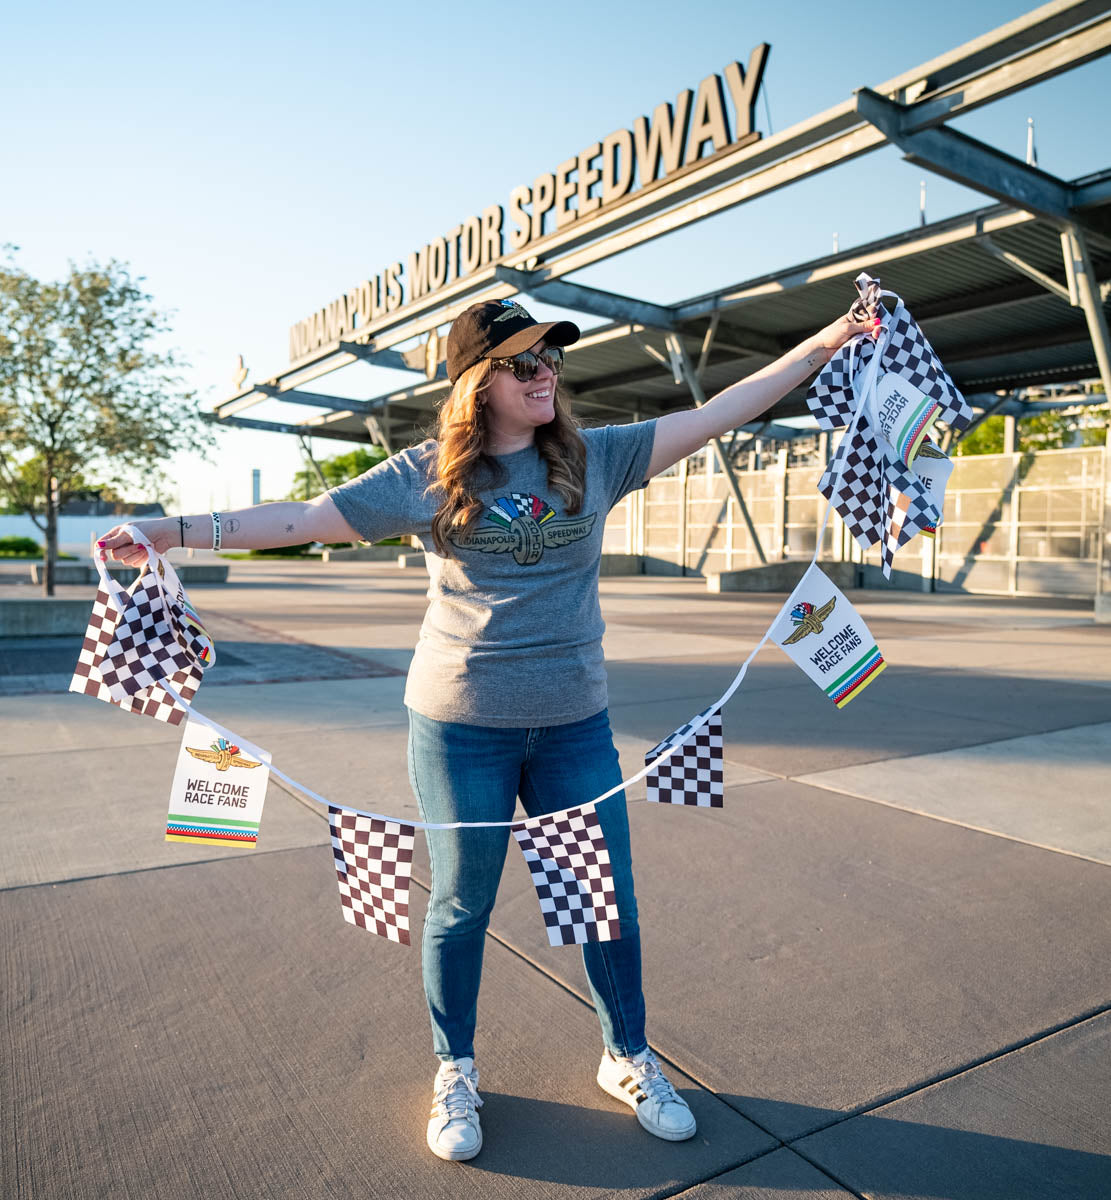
379,430
393,359
590,300
281,427
312,462
1065,37
1088,292
707,342
1023,267
316,399
968,161
679,355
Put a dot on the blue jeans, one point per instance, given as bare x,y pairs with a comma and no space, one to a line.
475,773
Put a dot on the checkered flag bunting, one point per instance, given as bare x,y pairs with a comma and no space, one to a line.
145,646
858,497
909,511
831,398
694,774
374,862
910,355
99,676
570,866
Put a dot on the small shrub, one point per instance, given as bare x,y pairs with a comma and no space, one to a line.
19,545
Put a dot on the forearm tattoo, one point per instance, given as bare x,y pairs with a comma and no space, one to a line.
231,525
289,529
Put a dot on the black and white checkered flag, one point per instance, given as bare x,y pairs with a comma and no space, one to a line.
695,773
570,866
107,678
145,647
831,397
910,356
858,498
374,863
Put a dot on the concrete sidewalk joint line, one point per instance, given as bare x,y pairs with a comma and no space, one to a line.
945,1077
918,812
176,866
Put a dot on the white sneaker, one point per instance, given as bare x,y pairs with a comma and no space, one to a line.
454,1132
642,1085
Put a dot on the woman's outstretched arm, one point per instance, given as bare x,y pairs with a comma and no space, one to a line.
682,433
284,523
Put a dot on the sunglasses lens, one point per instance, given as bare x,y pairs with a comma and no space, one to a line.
524,365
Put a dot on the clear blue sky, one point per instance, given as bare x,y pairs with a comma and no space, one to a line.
252,160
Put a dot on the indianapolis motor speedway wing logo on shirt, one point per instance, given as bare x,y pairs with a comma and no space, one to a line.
525,525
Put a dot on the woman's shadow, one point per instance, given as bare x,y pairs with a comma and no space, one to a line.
584,1147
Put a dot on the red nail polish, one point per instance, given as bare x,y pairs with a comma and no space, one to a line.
100,543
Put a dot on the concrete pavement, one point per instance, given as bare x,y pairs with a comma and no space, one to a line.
879,970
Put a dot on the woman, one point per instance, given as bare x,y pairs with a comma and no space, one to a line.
507,690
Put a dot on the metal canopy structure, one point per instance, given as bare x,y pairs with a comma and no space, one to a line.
1010,295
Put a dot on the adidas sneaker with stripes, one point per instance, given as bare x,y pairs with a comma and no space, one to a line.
639,1082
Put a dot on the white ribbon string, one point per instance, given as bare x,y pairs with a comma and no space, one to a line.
867,387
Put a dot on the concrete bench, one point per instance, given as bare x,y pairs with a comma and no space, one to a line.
43,616
781,577
362,553
71,573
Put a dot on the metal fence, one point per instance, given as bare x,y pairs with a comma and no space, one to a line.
1022,524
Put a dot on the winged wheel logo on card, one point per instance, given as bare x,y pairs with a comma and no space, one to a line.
928,450
808,619
223,755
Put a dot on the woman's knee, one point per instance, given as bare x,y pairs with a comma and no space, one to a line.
450,915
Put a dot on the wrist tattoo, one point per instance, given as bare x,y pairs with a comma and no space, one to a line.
188,524
231,525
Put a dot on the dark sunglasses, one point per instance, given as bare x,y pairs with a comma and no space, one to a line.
525,365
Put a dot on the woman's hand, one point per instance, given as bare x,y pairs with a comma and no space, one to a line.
120,546
826,342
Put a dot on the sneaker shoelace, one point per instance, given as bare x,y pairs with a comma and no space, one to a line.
456,1096
652,1079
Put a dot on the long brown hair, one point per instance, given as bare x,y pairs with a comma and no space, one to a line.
463,464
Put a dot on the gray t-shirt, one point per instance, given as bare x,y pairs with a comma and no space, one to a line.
513,631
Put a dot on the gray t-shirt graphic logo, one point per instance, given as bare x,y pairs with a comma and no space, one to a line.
526,525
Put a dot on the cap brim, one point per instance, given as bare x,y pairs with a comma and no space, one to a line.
555,333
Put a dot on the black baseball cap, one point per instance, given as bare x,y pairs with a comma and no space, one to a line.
499,329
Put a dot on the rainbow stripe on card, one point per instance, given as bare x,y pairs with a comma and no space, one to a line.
849,685
915,434
214,832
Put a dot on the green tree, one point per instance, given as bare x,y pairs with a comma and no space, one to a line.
336,470
23,485
1041,431
84,387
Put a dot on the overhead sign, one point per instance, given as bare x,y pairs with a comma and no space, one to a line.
601,176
